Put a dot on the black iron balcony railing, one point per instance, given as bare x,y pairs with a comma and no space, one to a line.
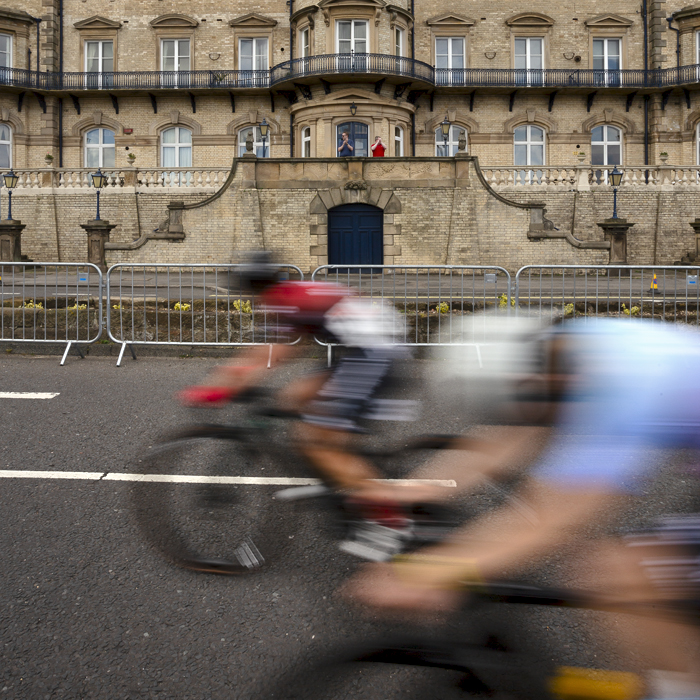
353,64
136,80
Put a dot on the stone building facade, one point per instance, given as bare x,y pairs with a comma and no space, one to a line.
547,97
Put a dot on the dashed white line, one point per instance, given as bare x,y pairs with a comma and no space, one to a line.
196,479
27,395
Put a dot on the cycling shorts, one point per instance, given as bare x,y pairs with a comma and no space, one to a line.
351,392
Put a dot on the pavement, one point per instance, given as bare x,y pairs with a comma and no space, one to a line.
89,610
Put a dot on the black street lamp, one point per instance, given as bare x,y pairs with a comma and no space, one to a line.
264,127
353,109
445,126
615,180
11,181
98,181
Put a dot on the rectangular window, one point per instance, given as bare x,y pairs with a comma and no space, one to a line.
175,62
5,51
398,42
449,59
352,36
528,60
252,54
99,59
306,143
305,42
607,60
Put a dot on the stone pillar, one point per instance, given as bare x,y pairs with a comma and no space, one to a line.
10,240
615,231
98,234
696,227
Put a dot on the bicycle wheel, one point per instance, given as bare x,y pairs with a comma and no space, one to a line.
194,505
415,669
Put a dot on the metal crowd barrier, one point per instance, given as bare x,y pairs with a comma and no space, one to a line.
652,292
51,303
188,305
439,303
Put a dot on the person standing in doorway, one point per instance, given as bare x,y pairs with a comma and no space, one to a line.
377,148
346,147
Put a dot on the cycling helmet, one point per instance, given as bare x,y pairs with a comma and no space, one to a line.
258,273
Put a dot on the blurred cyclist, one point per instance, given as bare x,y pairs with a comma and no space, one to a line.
610,391
330,402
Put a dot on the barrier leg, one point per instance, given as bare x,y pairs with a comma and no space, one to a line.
330,354
67,350
269,358
121,353
478,356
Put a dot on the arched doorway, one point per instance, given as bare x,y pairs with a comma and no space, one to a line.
355,235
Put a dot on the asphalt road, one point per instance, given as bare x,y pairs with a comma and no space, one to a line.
87,608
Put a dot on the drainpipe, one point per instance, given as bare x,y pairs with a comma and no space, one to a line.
60,132
291,136
38,53
291,33
60,40
645,24
413,31
678,40
413,134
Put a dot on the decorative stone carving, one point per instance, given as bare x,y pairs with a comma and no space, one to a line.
462,141
249,142
568,55
356,185
490,54
215,56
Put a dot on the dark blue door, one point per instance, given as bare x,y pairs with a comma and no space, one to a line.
355,235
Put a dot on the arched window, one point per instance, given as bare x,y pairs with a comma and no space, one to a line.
452,141
528,149
99,148
306,142
606,149
5,147
257,142
398,141
176,152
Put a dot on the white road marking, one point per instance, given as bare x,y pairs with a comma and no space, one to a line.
26,395
196,479
21,474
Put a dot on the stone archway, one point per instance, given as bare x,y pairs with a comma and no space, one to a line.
354,192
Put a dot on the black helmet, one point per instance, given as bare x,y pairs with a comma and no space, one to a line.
259,272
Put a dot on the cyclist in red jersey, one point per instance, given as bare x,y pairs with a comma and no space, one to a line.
330,402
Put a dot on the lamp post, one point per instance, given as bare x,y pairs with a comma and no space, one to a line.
98,182
353,109
445,126
11,181
264,127
615,180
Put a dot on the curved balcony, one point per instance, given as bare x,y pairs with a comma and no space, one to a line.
374,65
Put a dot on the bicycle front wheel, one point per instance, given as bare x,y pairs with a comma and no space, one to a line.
198,502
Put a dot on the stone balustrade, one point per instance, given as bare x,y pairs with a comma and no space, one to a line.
142,179
589,177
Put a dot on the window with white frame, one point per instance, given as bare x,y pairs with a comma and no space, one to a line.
606,149
398,41
351,36
305,42
5,51
528,59
175,55
607,59
253,54
449,149
398,141
529,149
99,59
99,148
449,57
176,152
5,147
257,142
306,142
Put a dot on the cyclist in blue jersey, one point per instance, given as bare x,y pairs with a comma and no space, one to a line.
609,392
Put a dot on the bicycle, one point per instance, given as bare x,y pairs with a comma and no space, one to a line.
196,503
478,653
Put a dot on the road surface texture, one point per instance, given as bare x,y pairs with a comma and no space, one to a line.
89,610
